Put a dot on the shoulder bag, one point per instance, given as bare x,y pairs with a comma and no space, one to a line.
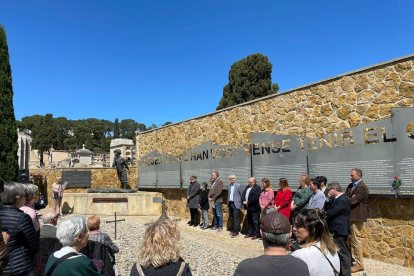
336,273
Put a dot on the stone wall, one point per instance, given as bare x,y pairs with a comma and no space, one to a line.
100,177
334,104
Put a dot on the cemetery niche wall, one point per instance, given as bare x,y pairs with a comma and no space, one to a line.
382,150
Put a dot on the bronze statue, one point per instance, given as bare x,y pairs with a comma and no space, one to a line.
121,167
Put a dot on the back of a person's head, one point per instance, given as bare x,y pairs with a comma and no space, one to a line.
94,223
160,244
47,217
69,229
314,221
12,191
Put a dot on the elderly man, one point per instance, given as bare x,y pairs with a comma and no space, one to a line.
250,200
234,202
338,210
357,193
317,199
214,196
48,230
49,243
275,231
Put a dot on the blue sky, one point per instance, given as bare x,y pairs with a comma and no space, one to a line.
159,61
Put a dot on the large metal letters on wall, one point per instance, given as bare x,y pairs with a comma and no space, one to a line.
382,150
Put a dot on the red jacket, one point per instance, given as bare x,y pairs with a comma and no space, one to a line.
284,199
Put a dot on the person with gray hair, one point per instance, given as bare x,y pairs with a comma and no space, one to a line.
32,196
48,229
73,234
275,232
23,243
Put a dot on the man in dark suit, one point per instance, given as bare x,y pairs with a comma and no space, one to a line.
357,193
214,195
234,202
250,199
338,211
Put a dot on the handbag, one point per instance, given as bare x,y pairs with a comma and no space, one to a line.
336,273
55,196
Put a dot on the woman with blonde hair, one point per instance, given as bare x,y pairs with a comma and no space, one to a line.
319,250
266,198
301,198
283,198
160,251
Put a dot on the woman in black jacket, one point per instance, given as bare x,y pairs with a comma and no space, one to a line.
203,205
23,243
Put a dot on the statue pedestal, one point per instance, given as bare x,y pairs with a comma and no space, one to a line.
125,204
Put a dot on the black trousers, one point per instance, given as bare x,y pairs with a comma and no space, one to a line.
344,255
253,219
234,214
195,217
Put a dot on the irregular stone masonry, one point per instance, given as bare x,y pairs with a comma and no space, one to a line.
341,102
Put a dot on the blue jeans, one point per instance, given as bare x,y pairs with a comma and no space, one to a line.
218,216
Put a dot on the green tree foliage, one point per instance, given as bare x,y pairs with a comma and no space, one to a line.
249,79
128,128
153,126
167,123
70,135
116,129
46,135
9,166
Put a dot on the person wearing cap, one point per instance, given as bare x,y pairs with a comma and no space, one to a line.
275,232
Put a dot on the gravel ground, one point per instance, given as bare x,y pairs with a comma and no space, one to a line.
208,252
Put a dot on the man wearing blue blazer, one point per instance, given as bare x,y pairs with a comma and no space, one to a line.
250,200
338,211
234,202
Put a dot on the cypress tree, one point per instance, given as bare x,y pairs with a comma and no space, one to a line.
9,166
116,129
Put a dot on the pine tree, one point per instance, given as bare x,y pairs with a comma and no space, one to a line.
9,166
249,79
116,129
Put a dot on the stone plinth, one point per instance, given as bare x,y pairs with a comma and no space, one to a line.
138,204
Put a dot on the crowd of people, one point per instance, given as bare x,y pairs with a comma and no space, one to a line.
319,217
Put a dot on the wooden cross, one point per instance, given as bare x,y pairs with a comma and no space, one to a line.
115,223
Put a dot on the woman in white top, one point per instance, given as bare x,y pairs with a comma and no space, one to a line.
319,250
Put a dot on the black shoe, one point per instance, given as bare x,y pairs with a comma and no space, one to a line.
195,225
189,222
204,228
